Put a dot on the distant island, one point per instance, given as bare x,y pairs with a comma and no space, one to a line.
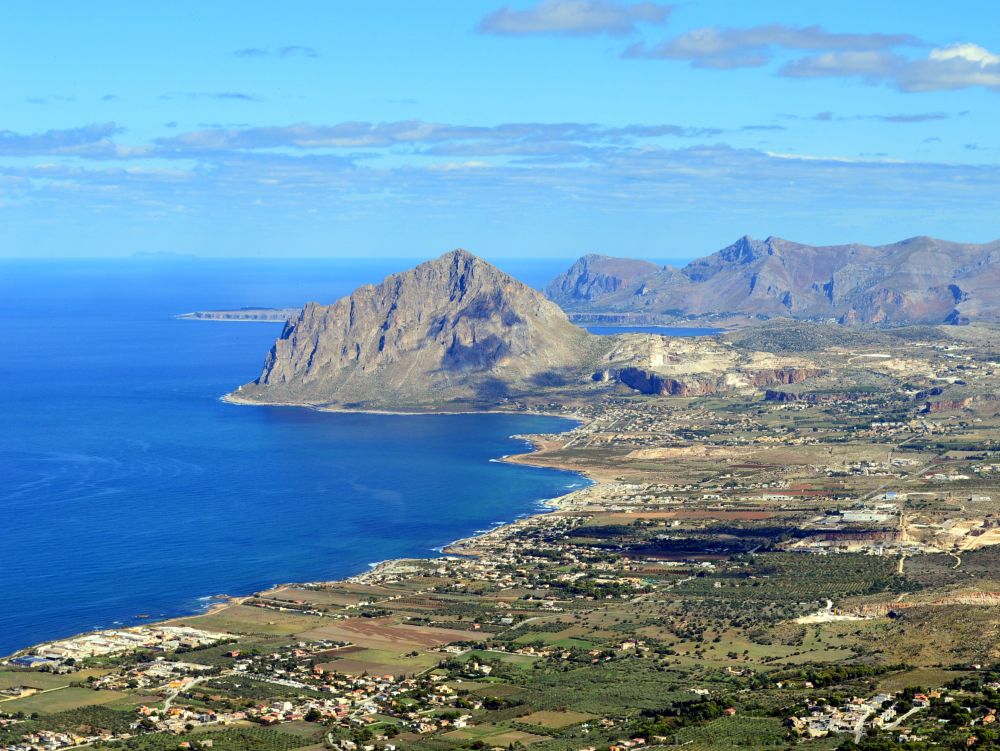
267,315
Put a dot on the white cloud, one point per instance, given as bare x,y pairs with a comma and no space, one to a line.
966,52
960,66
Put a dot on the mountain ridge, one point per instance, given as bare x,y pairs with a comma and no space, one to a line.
917,280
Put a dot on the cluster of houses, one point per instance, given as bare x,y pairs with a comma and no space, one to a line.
159,673
353,701
850,717
883,711
69,652
51,740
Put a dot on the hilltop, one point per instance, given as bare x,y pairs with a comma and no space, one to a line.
452,331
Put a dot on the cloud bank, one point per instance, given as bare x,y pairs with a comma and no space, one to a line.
753,47
959,66
873,58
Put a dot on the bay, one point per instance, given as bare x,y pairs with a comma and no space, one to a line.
127,488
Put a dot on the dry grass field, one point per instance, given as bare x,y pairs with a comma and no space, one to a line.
555,719
385,633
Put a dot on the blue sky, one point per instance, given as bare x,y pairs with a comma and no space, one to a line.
531,129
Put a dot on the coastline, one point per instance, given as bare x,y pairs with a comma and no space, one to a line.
462,546
231,398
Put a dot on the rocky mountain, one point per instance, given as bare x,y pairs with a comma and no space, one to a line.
920,280
594,277
455,330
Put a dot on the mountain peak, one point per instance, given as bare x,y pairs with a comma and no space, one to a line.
458,255
745,250
595,275
453,329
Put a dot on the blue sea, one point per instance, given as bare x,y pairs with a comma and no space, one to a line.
128,488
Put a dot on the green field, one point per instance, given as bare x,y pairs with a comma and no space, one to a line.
60,700
733,733
241,619
32,678
550,719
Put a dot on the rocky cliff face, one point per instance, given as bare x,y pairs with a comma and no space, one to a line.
455,329
648,381
920,280
594,277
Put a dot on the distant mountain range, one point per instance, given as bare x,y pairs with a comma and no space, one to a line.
920,280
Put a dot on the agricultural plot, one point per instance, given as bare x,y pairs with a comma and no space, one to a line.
235,739
61,700
494,736
920,677
555,719
385,633
382,662
620,688
733,733
31,678
242,619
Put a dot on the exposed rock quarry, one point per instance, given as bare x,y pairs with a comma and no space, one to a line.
920,280
697,367
452,330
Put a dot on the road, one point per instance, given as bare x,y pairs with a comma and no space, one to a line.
173,694
859,729
895,723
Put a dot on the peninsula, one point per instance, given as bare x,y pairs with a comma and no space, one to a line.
265,315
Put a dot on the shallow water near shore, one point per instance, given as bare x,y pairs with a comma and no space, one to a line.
127,488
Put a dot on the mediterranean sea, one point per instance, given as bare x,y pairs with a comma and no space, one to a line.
127,488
